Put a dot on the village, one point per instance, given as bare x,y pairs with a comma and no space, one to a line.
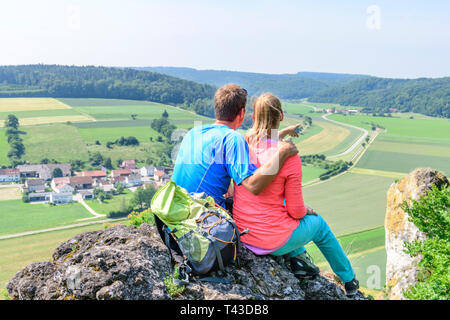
55,183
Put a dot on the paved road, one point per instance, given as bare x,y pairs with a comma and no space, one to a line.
353,146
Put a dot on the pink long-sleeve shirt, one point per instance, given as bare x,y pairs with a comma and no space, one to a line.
269,220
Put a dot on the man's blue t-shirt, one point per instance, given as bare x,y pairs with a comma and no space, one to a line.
209,157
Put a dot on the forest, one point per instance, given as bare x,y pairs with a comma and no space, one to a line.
379,95
99,82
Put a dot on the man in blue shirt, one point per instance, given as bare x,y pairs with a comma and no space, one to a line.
211,155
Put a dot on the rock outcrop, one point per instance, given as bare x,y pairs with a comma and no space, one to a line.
131,263
401,269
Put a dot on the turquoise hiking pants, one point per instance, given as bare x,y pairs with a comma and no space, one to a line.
314,228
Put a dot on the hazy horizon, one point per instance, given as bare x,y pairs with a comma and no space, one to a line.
405,39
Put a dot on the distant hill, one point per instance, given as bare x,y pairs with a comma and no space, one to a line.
99,82
378,95
286,86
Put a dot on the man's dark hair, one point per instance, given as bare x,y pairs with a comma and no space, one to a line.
229,100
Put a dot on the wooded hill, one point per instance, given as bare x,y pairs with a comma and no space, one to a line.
286,86
378,95
99,82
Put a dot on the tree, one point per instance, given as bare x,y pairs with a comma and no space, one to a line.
108,163
57,173
431,215
165,115
12,121
97,159
119,188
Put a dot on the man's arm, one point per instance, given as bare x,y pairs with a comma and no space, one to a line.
265,174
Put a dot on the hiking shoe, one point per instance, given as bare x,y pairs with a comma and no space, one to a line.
303,267
351,288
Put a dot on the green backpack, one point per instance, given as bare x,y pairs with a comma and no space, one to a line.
200,235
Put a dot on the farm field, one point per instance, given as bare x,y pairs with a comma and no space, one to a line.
436,129
330,137
105,134
28,104
402,162
351,202
10,193
366,253
115,109
52,141
17,216
35,111
310,173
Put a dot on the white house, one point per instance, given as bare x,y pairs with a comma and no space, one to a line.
35,185
56,198
64,188
61,198
148,171
9,175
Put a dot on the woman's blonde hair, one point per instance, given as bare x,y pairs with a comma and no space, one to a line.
267,115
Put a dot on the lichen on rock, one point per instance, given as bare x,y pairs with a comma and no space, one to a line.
129,263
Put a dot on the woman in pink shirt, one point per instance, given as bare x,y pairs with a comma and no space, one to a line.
278,221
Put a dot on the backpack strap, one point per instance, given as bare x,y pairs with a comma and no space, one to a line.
217,250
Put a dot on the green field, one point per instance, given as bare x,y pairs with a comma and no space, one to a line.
111,109
351,202
105,134
4,148
366,253
310,173
111,204
436,129
53,141
17,216
402,162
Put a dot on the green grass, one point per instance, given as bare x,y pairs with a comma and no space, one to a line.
421,128
40,113
112,109
402,162
366,253
17,216
17,253
310,173
105,134
112,204
4,148
351,202
53,141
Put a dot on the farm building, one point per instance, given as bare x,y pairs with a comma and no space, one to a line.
86,194
35,185
95,174
43,171
120,173
9,175
104,185
76,183
128,164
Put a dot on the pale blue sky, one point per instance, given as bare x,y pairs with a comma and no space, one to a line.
382,38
